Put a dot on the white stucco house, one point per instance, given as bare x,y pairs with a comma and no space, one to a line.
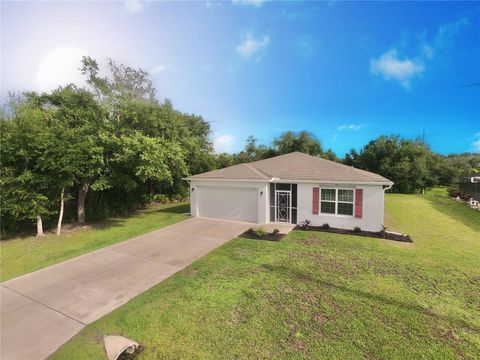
291,188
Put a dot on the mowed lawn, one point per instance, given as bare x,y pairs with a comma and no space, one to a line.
317,296
22,255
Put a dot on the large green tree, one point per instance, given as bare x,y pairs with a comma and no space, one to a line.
408,163
25,186
302,141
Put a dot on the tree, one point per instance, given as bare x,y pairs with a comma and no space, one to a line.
303,141
25,187
73,153
409,164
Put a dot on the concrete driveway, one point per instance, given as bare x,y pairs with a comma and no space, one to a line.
42,310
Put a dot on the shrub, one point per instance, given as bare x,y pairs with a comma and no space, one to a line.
259,232
305,224
275,232
357,229
325,226
179,197
453,191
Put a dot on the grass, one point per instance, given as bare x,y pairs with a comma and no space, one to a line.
317,295
22,255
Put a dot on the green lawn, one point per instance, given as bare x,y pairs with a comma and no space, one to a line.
317,295
23,255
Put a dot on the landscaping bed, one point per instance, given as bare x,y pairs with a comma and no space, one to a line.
388,235
260,234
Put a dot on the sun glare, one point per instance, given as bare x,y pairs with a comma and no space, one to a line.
60,67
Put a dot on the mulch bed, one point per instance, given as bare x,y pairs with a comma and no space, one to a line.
268,236
379,235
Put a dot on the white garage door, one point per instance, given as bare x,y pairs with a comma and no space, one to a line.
228,203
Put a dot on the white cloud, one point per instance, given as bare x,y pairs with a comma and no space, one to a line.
350,127
223,143
133,6
444,37
446,33
390,66
250,45
255,3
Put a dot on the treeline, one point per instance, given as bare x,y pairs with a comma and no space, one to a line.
88,153
102,151
411,164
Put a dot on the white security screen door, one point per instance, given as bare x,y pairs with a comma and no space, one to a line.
282,206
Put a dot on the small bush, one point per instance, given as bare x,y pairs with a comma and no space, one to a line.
325,226
453,191
275,232
357,229
178,197
305,224
259,232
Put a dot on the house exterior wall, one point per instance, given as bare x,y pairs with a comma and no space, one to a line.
372,214
260,188
373,207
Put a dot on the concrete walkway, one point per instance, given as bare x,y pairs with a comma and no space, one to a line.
40,311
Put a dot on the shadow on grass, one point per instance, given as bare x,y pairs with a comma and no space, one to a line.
302,276
175,209
118,221
181,208
456,210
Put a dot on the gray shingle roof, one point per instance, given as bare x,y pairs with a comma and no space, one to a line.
295,166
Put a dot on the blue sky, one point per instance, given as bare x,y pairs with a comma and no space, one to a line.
347,72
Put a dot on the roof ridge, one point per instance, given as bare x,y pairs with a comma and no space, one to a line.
258,172
350,167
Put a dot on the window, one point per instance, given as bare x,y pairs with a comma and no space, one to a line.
336,201
327,204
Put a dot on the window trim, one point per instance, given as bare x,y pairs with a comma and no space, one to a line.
336,201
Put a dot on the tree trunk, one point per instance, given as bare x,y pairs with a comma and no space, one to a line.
82,194
60,215
39,226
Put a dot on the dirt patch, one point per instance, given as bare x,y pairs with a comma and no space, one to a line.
320,318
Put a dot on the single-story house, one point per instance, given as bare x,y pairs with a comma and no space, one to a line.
471,185
291,188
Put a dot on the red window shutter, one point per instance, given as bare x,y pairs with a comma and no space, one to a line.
316,193
358,203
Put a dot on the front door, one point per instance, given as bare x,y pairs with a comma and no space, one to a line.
282,206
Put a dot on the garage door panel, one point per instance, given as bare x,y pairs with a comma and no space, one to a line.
228,203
